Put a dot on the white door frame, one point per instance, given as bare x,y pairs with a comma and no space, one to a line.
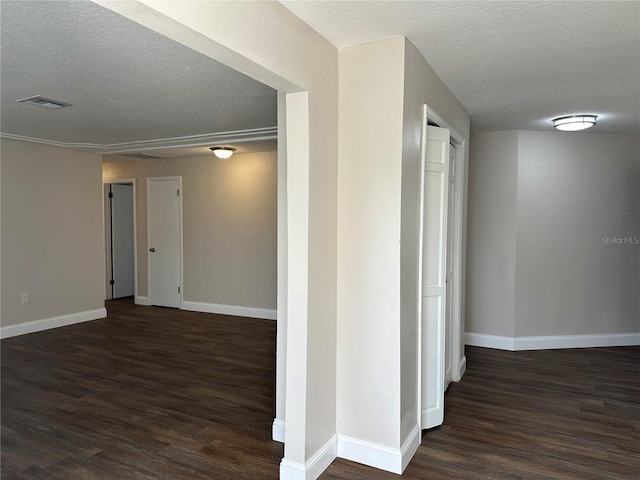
106,236
458,361
179,179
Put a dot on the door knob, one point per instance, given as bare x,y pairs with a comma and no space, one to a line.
152,250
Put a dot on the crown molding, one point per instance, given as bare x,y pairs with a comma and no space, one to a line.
205,139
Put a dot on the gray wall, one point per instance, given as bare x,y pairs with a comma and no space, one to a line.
573,190
545,209
52,241
491,233
229,216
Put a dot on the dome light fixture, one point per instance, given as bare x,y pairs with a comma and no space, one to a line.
222,152
574,123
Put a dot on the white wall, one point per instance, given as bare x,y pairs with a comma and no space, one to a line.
281,347
369,209
328,224
491,228
52,241
267,42
229,223
379,205
542,205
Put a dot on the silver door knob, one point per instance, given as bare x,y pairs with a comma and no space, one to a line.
152,250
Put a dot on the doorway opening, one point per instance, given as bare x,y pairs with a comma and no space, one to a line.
120,238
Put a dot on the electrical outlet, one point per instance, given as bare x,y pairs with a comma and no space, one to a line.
24,298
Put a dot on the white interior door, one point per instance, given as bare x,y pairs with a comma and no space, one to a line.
434,263
122,243
164,220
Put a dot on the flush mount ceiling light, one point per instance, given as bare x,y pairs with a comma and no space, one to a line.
39,101
574,123
222,152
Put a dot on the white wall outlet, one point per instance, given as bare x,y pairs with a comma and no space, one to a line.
24,298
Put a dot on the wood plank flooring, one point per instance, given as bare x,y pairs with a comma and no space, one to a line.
148,393
159,394
554,414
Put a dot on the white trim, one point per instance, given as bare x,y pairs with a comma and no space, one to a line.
489,341
371,454
314,467
53,322
552,342
577,341
291,470
277,430
411,444
423,157
463,368
234,310
204,139
140,300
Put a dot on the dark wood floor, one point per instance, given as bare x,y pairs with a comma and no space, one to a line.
553,414
160,394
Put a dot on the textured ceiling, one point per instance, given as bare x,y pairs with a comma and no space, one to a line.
512,64
126,83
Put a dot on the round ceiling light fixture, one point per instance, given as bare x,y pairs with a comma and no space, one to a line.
574,123
222,152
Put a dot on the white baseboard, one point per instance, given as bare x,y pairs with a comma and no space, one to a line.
374,455
277,430
463,368
230,310
139,300
53,322
552,342
313,468
410,446
349,448
489,341
577,341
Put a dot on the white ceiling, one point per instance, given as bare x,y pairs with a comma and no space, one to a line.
131,88
512,64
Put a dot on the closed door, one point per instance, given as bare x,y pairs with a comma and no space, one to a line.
434,269
122,258
164,213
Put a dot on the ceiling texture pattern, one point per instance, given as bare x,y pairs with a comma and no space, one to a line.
512,64
126,83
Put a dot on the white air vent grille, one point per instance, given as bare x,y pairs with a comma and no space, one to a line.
44,102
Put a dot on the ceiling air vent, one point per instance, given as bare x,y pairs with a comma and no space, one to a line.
44,102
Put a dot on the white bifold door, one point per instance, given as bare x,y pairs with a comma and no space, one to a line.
164,220
434,275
